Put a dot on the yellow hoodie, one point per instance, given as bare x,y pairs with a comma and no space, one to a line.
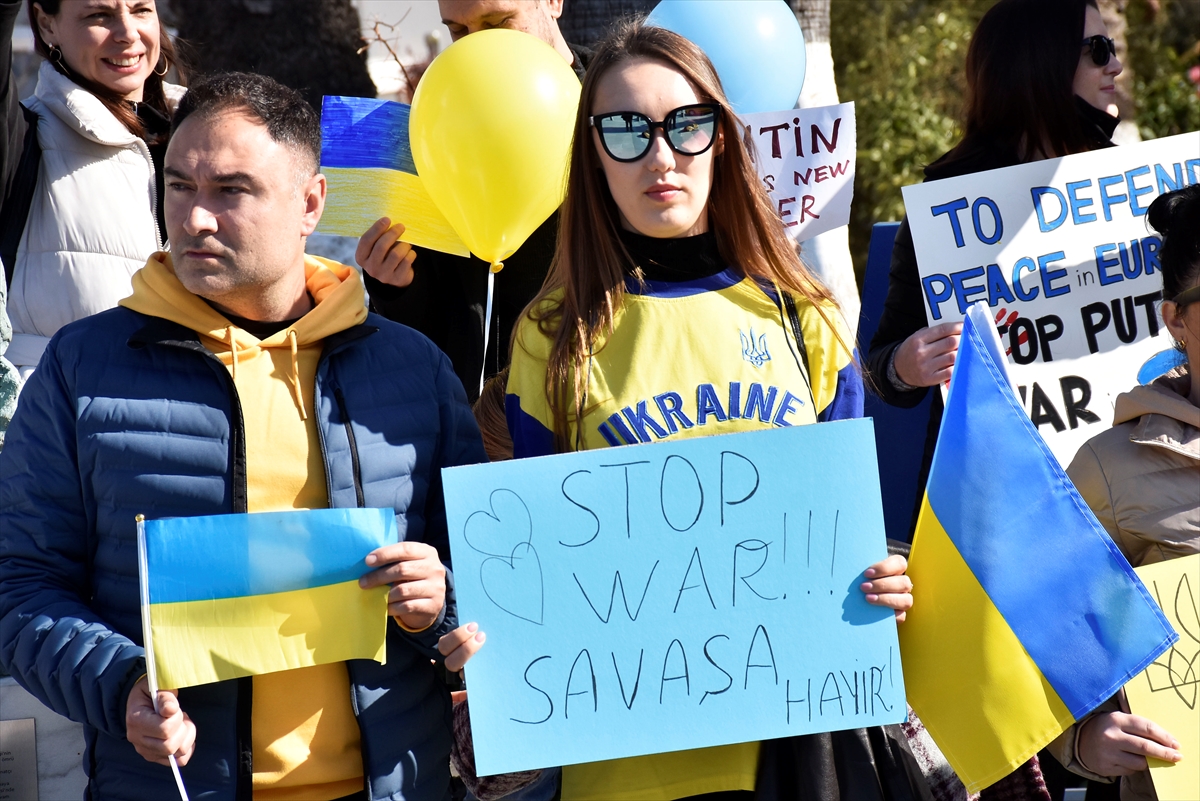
306,741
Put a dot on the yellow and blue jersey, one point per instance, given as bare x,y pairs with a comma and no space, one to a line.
713,355
688,359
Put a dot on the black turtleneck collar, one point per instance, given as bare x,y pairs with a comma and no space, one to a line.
685,259
1104,123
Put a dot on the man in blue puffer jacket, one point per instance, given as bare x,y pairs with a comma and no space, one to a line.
240,376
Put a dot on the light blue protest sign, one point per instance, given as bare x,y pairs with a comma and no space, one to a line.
671,596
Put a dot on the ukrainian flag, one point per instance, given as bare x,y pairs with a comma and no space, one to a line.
370,173
1026,616
238,595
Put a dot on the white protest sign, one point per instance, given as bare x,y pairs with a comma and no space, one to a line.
805,158
1061,252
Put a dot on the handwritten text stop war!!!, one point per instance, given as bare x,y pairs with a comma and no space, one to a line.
719,563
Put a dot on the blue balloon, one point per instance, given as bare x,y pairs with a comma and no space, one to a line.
756,45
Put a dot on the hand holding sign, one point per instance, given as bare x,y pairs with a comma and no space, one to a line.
926,358
1117,744
460,645
887,585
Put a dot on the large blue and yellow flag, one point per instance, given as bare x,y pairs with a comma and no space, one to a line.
227,596
368,164
1026,616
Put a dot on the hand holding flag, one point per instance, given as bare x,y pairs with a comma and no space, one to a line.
159,731
1029,616
417,579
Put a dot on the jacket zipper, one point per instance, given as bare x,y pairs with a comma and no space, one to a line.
244,780
145,149
360,500
354,464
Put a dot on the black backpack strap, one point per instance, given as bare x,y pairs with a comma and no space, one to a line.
20,196
789,304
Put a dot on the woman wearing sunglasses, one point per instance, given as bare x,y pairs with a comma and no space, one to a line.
1040,76
673,288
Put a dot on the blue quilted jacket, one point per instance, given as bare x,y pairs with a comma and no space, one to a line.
129,414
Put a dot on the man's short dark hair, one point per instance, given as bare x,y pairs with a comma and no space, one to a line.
288,117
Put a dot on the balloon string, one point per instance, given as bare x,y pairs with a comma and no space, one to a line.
487,322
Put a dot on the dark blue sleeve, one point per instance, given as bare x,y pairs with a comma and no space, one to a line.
848,398
51,641
460,444
529,437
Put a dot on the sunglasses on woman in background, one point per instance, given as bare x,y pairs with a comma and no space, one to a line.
689,130
1102,49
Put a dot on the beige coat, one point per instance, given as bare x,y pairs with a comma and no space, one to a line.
1142,479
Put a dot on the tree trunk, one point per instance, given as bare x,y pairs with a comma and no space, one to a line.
310,45
813,16
828,254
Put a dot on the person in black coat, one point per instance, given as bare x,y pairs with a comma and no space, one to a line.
445,297
1039,78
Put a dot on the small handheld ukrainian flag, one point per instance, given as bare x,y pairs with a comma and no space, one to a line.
1027,616
235,595
367,161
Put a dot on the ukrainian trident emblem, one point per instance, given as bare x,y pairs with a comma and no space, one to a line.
754,351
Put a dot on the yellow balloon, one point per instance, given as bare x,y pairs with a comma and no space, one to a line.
490,131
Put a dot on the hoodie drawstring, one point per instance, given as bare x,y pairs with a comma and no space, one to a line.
296,373
292,340
233,350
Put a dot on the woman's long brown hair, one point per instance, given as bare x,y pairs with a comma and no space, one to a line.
152,90
590,263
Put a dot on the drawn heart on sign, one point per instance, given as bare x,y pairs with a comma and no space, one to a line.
499,531
514,583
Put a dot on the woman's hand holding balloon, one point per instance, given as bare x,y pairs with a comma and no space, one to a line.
383,256
887,585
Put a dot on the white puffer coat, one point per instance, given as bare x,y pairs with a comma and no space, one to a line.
92,222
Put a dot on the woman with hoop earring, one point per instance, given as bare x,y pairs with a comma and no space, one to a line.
83,155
